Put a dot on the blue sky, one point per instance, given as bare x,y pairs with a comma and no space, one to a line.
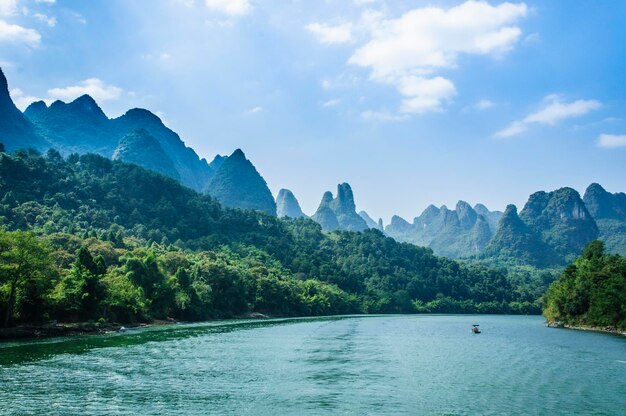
411,102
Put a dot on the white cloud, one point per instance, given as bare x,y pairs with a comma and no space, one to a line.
612,141
553,111
425,39
424,94
331,34
50,21
556,110
230,7
408,52
370,115
513,129
95,87
484,104
46,1
15,33
256,109
8,7
331,103
22,100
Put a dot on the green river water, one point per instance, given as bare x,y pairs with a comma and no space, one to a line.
365,365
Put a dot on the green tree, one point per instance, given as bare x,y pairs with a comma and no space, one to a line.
25,266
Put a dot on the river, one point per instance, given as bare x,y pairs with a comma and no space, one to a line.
377,365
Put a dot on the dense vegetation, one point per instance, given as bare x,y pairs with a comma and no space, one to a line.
87,238
591,291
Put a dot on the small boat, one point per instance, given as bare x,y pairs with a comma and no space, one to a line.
475,329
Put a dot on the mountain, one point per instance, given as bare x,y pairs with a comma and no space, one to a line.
340,212
370,222
217,161
15,130
562,221
237,184
82,127
140,148
287,205
76,127
492,217
454,233
94,223
551,230
194,172
516,242
325,216
609,212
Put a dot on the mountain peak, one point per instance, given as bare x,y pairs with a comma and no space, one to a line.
287,205
35,109
345,197
142,115
238,154
238,184
141,148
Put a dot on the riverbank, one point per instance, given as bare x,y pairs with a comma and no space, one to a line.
52,330
604,329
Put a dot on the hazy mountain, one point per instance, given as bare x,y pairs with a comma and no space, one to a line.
454,233
76,127
15,130
140,148
82,127
551,230
325,215
237,184
370,222
287,205
492,217
517,243
609,212
340,212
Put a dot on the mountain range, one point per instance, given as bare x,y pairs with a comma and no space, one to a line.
137,137
550,230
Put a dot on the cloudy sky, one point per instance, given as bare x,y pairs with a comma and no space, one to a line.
411,102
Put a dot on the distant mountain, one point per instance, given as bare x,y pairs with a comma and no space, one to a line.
371,223
609,212
237,184
325,215
77,127
517,243
15,129
340,212
82,127
562,220
454,233
140,148
194,172
217,161
551,230
287,205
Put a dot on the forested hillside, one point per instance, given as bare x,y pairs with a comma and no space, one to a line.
590,292
87,238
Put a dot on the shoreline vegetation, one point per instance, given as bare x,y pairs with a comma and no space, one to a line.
590,294
606,329
87,239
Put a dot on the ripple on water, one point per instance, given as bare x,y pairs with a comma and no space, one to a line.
368,365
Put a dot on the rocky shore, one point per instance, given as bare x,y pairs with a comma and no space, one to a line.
605,329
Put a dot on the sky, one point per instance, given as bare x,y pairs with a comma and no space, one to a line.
411,102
